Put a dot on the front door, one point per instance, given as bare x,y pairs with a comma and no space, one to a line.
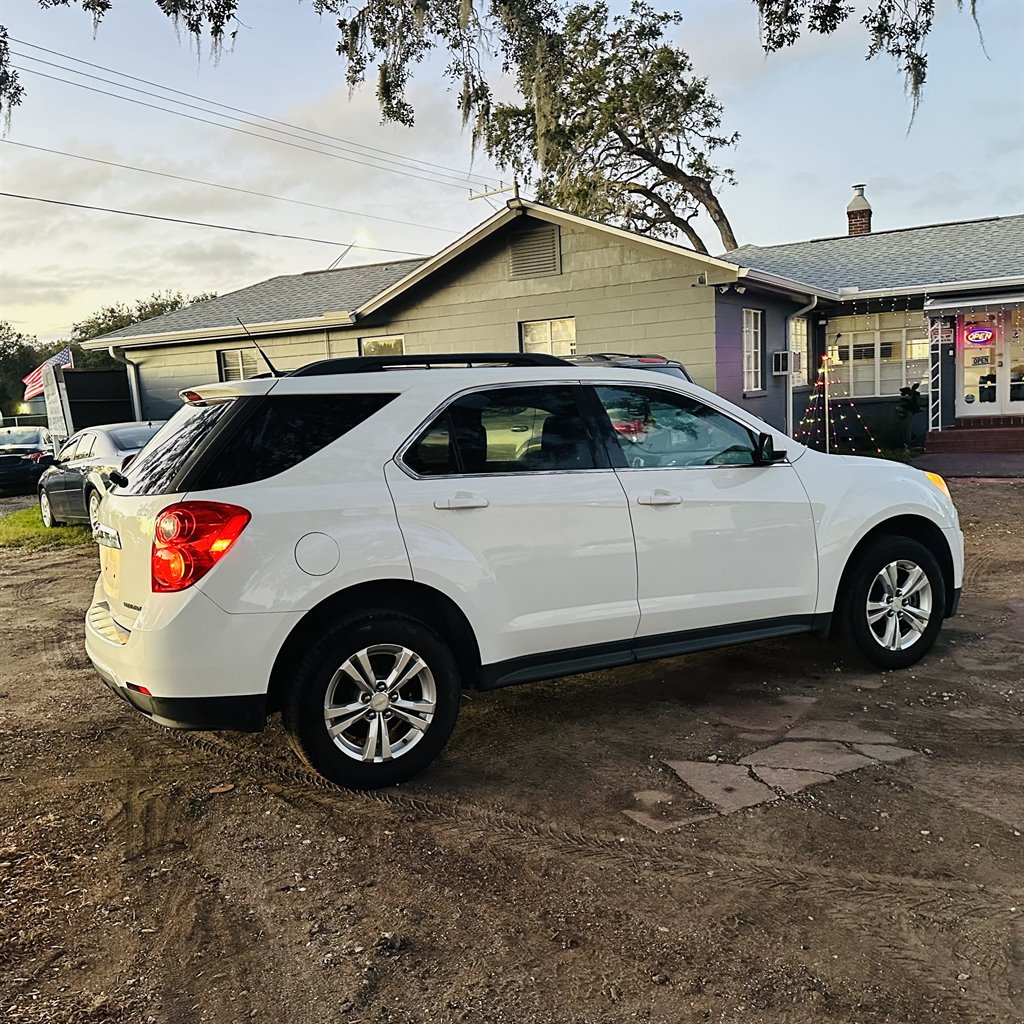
508,507
990,364
720,541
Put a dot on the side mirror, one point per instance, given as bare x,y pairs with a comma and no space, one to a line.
765,452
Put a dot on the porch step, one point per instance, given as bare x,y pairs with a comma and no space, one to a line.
976,439
987,422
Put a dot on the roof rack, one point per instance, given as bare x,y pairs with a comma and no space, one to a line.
372,364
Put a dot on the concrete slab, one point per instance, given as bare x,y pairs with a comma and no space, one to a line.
848,732
884,753
789,780
763,716
808,755
728,786
665,824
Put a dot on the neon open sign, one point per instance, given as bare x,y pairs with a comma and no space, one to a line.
980,335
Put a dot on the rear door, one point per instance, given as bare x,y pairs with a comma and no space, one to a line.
75,469
720,540
508,506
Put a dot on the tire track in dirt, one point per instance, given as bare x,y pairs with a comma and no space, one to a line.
62,650
616,848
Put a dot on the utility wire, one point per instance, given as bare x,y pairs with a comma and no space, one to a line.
205,224
247,113
241,131
214,184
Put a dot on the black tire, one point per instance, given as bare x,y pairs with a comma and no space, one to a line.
314,676
922,615
50,521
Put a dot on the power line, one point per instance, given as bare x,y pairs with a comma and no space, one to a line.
214,184
239,110
232,128
205,224
345,148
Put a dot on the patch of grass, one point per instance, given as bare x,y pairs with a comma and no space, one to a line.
24,529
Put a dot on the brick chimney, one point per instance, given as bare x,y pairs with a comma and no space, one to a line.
858,213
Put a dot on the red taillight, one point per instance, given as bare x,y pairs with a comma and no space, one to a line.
35,456
189,538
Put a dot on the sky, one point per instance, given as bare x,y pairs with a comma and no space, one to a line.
813,120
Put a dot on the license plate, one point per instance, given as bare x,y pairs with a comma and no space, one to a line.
110,568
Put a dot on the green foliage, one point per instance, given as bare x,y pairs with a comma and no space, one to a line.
24,529
18,358
616,126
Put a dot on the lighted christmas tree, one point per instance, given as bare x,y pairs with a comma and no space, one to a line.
830,424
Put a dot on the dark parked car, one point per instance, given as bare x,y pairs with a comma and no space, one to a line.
73,487
24,453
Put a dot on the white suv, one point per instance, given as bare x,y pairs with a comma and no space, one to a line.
355,543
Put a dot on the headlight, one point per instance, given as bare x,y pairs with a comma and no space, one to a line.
940,483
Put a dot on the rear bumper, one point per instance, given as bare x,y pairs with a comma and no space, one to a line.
202,668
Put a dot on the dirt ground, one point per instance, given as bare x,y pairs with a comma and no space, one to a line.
508,884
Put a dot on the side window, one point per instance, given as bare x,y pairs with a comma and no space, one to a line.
70,449
505,430
85,446
659,429
283,431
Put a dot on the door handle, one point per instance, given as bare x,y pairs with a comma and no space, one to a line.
659,497
461,500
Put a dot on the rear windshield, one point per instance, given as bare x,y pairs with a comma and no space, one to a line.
283,431
129,439
20,435
161,461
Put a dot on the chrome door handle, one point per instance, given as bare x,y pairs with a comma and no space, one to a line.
659,497
461,500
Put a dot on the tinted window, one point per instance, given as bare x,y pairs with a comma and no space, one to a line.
157,467
128,439
85,446
70,449
506,430
283,431
658,428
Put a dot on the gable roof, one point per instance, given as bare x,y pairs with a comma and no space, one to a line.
972,250
292,297
517,208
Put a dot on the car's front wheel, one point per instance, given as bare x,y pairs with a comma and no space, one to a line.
894,602
373,701
46,511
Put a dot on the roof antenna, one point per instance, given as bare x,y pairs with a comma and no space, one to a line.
273,369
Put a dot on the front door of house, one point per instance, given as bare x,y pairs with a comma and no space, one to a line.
990,364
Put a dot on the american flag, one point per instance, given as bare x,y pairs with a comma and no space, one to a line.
34,381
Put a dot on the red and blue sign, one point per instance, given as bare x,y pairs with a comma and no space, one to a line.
979,335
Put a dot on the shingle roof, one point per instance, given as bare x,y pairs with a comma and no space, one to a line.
291,297
970,250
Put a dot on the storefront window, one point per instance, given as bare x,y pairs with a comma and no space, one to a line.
877,354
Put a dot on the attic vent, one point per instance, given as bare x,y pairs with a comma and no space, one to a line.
535,253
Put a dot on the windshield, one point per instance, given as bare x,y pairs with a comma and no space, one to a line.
20,436
128,439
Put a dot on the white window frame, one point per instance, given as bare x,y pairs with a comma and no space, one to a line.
870,336
365,342
548,342
753,351
799,341
245,361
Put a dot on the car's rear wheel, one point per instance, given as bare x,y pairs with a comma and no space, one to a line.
94,508
894,603
46,511
373,701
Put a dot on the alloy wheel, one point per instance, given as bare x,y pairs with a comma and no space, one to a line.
899,605
94,509
380,703
44,509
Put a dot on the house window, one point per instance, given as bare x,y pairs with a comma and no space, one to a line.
237,363
753,339
384,345
877,357
556,337
798,344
